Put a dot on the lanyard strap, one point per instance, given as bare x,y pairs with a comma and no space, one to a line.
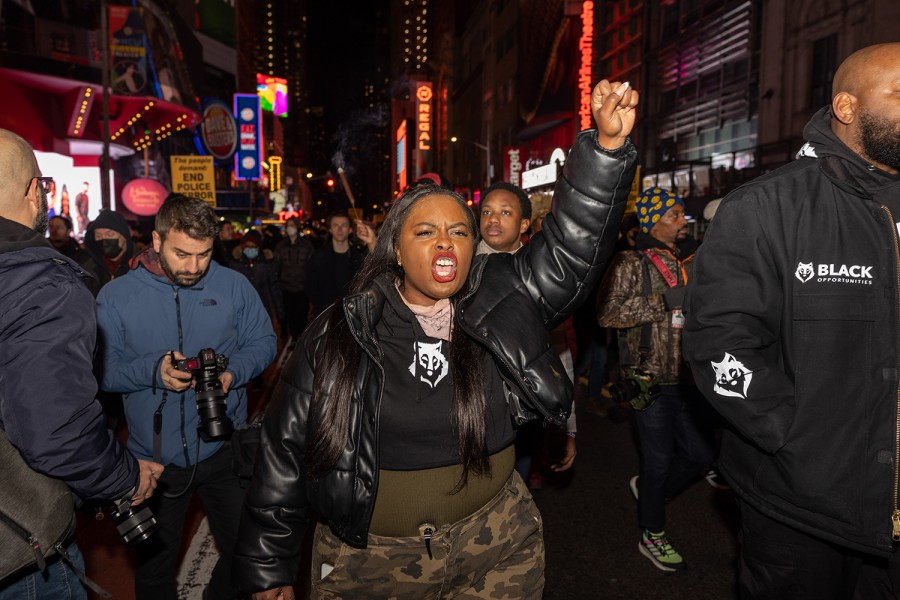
671,280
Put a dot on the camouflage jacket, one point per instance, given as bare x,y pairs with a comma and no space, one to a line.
622,304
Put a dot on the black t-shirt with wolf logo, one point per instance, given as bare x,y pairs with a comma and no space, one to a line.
415,428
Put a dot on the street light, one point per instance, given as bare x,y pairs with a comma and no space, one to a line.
487,151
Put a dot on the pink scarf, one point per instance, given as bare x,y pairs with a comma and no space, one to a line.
435,320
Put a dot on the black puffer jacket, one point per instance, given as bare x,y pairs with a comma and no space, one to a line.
792,320
512,299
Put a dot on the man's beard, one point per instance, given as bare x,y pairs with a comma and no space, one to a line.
42,218
182,278
880,139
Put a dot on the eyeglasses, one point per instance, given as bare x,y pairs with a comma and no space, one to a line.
44,182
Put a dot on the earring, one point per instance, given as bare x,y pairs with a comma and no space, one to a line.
399,262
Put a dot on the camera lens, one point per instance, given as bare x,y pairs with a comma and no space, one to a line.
134,526
212,408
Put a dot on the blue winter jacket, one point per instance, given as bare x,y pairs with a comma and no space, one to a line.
47,387
142,316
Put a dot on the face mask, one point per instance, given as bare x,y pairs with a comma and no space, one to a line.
110,248
291,231
251,253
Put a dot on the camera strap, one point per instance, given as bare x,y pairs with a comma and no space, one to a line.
157,416
157,446
157,428
671,279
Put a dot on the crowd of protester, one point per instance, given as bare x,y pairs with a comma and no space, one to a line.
429,367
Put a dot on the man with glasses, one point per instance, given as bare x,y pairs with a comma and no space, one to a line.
642,296
47,406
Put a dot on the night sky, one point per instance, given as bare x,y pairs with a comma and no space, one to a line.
343,56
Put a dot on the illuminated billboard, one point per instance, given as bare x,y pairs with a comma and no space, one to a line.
273,94
75,192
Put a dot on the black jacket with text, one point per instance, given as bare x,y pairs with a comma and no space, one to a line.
792,334
511,300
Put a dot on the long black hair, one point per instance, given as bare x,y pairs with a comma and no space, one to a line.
336,372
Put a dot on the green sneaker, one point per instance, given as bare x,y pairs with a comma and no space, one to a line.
657,548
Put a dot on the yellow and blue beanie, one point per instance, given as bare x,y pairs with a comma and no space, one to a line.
653,204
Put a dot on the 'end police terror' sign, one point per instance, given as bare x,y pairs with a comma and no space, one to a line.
194,176
248,157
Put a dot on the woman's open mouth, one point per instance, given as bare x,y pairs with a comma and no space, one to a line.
443,267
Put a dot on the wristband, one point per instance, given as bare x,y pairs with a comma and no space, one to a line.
571,434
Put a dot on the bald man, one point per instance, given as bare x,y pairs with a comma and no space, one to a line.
47,407
793,334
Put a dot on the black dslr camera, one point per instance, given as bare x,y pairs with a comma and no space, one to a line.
134,525
637,388
206,368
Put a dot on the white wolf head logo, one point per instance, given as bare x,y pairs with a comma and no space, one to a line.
732,377
431,360
804,272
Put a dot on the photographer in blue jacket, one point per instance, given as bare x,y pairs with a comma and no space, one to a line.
176,303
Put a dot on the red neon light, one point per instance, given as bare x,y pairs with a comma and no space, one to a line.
401,156
585,73
423,115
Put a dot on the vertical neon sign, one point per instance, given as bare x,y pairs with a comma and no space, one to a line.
248,158
585,72
401,156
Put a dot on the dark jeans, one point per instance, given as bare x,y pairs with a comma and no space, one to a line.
59,582
296,308
778,561
222,496
676,446
599,357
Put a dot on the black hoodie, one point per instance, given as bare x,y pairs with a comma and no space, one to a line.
101,265
415,417
792,334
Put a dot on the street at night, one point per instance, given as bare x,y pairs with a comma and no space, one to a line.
297,298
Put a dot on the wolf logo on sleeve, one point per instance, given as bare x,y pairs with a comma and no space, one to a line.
732,377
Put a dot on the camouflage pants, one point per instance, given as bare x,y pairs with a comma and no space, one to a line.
497,552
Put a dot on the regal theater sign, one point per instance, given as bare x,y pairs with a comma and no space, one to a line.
424,123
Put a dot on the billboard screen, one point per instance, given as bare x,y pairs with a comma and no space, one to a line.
76,190
273,94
